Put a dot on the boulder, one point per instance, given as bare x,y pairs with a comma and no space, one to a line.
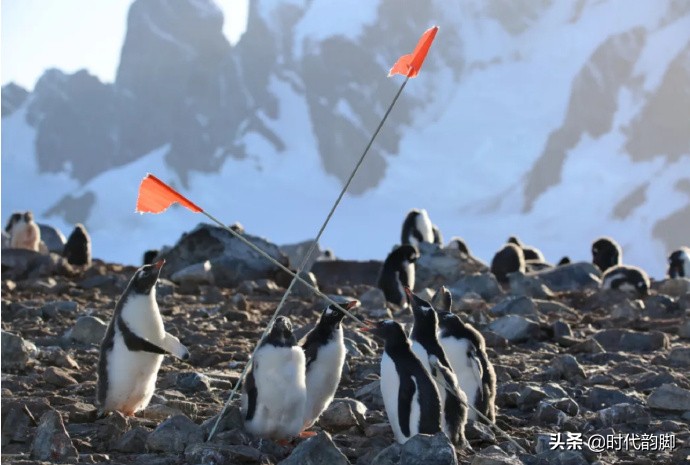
337,273
174,435
343,414
87,330
515,328
436,266
198,273
53,238
482,284
515,305
51,442
318,450
295,254
16,352
571,277
669,397
631,341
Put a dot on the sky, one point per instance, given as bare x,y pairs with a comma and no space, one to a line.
34,36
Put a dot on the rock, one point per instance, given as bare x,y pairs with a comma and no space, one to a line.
675,287
493,339
295,254
388,456
192,381
515,328
529,285
572,277
561,457
476,430
55,356
370,394
601,397
232,419
174,435
679,356
15,423
588,346
196,274
684,329
58,377
483,284
561,330
51,441
373,299
87,330
159,412
631,341
494,455
53,309
232,262
622,413
19,264
133,441
515,305
530,396
378,429
429,450
16,352
338,273
565,405
212,453
343,414
53,238
303,291
436,266
318,450
547,414
669,397
565,367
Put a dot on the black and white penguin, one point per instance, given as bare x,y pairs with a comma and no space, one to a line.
626,278
606,253
438,237
507,260
458,243
77,250
425,345
274,393
398,272
409,394
564,261
150,256
24,232
324,349
133,346
679,263
465,348
529,252
417,228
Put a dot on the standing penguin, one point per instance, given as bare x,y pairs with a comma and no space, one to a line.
626,278
466,351
324,349
274,393
409,394
529,252
417,228
133,346
398,272
24,232
425,345
77,250
606,253
679,263
507,260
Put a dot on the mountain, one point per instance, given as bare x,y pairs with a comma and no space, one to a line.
556,122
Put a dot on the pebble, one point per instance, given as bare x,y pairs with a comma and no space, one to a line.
343,414
87,330
51,441
16,351
317,450
58,377
174,435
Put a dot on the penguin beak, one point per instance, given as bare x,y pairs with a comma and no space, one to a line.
370,326
352,304
159,264
408,292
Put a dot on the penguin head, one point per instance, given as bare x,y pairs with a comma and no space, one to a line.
28,217
407,253
146,277
679,263
514,240
390,331
14,219
606,253
443,300
642,287
425,319
449,322
564,261
332,316
281,333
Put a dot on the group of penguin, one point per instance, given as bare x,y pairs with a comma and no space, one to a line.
22,232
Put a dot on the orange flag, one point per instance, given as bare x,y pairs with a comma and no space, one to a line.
155,196
409,65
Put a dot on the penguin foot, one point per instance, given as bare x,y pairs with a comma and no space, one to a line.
307,434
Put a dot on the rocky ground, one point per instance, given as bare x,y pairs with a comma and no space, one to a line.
569,359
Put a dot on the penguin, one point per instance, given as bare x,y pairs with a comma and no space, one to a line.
529,252
324,351
77,250
465,348
14,219
417,228
626,278
507,260
425,345
438,237
150,256
397,272
564,261
133,346
458,243
410,396
24,232
274,393
606,253
679,263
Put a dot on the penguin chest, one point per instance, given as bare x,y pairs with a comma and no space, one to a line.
142,316
323,377
390,390
465,369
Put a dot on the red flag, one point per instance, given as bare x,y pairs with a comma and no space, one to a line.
155,196
409,65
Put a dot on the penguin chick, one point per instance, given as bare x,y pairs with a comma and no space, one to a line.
77,250
417,228
410,396
398,272
133,346
626,278
274,393
150,256
507,260
24,232
606,253
324,349
679,263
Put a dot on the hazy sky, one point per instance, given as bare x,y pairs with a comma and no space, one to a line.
41,34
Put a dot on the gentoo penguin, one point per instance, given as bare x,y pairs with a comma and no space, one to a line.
466,351
24,232
529,252
398,272
606,253
133,346
324,349
150,256
458,243
564,261
417,228
77,250
507,260
679,263
425,345
626,278
274,393
14,218
438,237
409,394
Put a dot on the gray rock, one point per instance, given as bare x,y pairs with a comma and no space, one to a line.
622,413
600,397
562,457
572,277
561,329
373,299
343,414
16,352
515,305
477,430
588,346
193,381
679,356
133,441
87,330
217,454
483,284
565,367
676,287
436,266
318,450
295,254
684,329
388,456
51,441
547,414
565,405
371,394
232,419
631,341
174,435
530,396
64,307
302,290
195,274
669,397
53,238
159,412
429,450
515,328
58,377
494,455
529,285
15,423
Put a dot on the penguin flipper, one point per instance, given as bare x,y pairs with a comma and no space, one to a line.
405,395
174,347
